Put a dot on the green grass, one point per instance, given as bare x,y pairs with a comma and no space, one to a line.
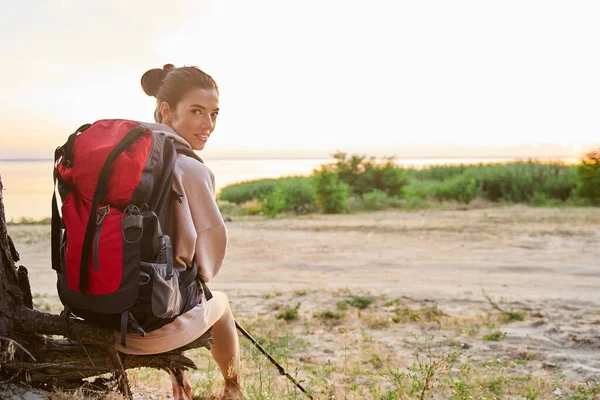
330,315
289,314
30,221
495,336
360,302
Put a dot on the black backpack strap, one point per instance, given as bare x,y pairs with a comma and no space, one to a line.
206,290
67,148
207,294
128,319
66,153
183,149
66,313
56,219
55,230
101,189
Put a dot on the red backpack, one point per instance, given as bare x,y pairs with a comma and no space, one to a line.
110,246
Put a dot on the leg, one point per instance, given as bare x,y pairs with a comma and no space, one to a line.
226,346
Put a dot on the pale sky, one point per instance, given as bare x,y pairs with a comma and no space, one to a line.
393,77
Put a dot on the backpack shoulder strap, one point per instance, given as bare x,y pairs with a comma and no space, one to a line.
183,149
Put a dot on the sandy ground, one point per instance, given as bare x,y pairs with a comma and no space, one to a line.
544,262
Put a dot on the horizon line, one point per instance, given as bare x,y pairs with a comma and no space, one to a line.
432,157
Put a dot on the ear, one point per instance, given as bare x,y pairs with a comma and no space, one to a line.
165,112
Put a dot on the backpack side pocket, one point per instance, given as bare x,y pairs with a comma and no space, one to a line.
165,297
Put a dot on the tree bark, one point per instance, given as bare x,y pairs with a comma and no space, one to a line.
30,352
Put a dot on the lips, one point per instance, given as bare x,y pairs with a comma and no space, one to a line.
203,138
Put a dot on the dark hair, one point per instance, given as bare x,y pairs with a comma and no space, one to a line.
171,84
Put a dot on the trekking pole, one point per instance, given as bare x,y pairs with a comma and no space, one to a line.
279,367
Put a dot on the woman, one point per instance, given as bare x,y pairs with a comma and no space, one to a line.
187,109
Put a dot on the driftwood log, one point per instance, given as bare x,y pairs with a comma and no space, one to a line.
48,351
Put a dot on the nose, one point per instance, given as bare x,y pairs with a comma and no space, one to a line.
207,123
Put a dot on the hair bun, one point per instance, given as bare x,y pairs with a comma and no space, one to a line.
152,79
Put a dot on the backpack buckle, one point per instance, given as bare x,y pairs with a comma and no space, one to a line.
132,224
102,212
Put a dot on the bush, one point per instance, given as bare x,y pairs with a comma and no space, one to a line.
290,195
246,191
298,195
589,176
331,195
360,302
518,182
363,175
461,188
376,200
560,186
419,189
541,200
274,203
437,172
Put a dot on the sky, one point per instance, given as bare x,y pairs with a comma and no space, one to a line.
410,78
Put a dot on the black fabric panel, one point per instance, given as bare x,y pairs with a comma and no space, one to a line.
114,303
158,174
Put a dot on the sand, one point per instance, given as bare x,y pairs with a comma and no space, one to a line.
543,262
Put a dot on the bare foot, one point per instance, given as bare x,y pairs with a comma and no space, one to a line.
232,390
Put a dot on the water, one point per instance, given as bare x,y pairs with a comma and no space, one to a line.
28,183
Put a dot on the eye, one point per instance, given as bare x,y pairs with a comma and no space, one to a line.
214,115
197,111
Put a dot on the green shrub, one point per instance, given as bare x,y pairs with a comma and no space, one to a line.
461,188
294,194
541,200
414,203
289,314
395,202
298,195
364,175
495,336
375,200
331,195
589,176
419,189
330,315
273,203
360,302
562,185
246,191
518,182
437,172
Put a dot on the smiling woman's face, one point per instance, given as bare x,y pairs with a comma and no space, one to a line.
195,116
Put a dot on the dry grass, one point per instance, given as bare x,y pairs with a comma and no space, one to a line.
362,353
375,348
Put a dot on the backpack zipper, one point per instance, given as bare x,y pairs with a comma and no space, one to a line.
103,212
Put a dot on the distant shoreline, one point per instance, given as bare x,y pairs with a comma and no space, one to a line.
515,158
